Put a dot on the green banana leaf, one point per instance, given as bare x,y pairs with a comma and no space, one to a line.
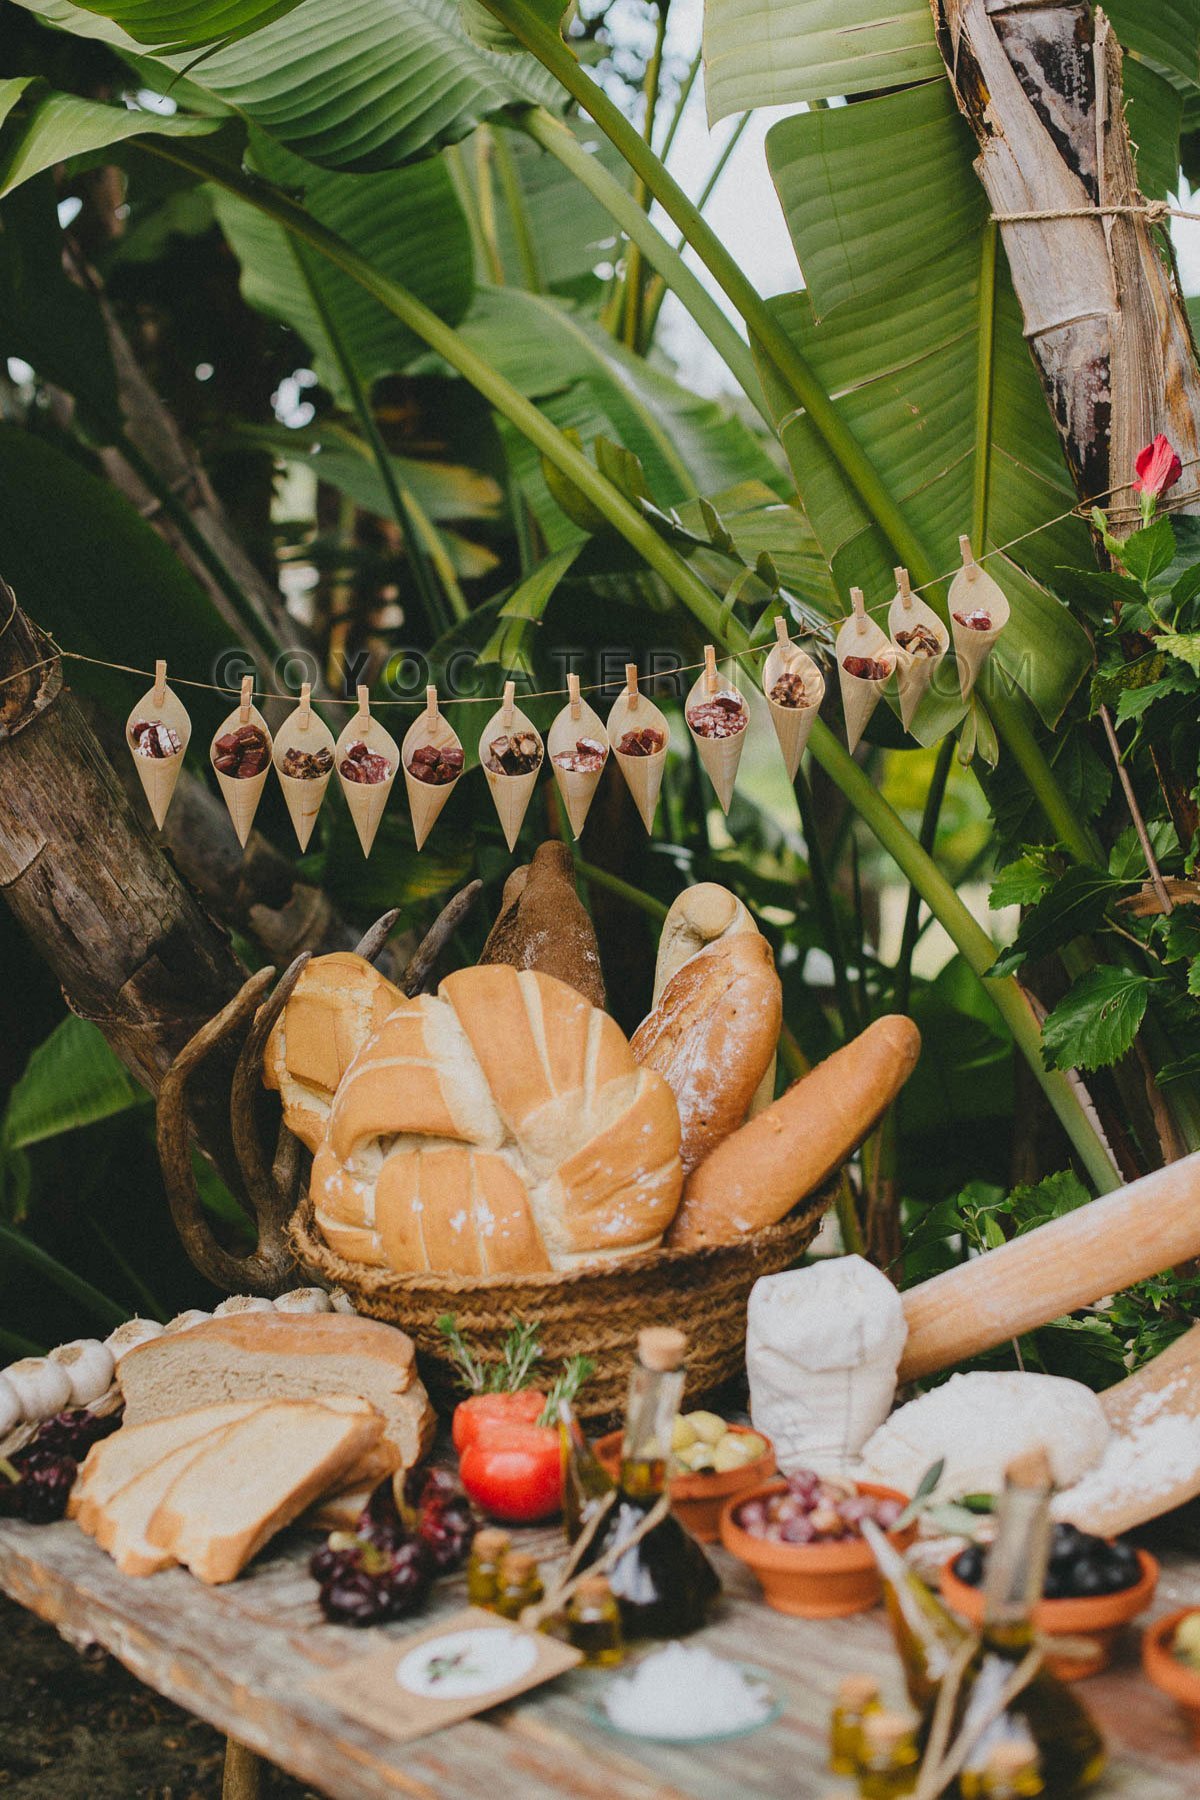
189,24
335,453
349,84
39,128
407,221
71,1079
571,232
894,331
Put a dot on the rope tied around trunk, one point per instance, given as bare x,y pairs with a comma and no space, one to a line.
1153,211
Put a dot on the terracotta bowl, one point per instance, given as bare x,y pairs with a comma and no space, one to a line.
1098,1619
1165,1670
812,1581
697,1500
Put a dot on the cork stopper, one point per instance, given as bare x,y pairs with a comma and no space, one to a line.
1030,1470
661,1348
885,1731
856,1692
592,1588
1012,1758
491,1543
519,1566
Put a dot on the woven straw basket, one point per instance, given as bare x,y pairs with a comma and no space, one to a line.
593,1312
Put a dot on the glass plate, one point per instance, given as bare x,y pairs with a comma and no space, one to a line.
599,1716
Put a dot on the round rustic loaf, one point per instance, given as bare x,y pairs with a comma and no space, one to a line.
337,1006
499,1127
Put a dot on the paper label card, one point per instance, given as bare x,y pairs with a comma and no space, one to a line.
465,1664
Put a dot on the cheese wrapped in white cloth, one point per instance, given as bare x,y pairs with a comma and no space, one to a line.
822,1348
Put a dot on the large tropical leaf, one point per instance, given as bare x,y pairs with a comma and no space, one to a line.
584,381
336,454
39,128
408,222
362,84
187,24
894,332
72,1079
570,231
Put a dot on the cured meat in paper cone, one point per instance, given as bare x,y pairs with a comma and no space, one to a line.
307,737
431,731
722,706
158,722
577,733
366,746
511,794
242,793
862,640
643,773
910,618
974,595
793,724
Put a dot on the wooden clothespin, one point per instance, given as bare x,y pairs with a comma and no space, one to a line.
710,669
247,700
574,700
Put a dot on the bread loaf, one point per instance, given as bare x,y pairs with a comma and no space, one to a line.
501,1127
756,1176
252,1480
117,1460
283,1356
712,1036
543,925
704,914
339,1002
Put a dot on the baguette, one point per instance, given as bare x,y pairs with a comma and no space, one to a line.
544,925
756,1176
712,1038
252,1480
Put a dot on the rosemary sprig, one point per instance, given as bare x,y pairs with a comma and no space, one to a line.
565,1386
473,1370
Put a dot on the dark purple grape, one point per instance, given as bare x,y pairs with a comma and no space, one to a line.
326,1563
355,1596
73,1433
45,1485
447,1530
969,1565
423,1485
381,1521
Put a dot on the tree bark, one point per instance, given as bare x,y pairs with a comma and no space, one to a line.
1041,87
131,947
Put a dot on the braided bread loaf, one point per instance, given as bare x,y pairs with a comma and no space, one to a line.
499,1127
337,1006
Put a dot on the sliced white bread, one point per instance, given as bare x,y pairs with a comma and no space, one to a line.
117,1460
120,1525
283,1356
254,1479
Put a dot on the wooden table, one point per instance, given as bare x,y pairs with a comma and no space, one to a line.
241,1657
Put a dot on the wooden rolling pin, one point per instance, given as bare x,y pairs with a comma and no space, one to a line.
1140,1230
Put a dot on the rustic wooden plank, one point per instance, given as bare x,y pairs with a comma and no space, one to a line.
241,1656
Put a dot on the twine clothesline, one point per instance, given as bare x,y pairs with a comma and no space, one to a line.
1078,510
1153,211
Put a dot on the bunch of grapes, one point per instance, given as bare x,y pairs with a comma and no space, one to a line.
811,1511
36,1481
383,1569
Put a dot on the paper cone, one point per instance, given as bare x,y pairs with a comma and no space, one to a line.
720,756
643,774
861,636
242,796
973,590
913,673
576,720
511,794
425,798
302,730
793,724
158,775
366,800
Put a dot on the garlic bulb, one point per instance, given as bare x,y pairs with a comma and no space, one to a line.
181,1321
129,1335
42,1387
242,1303
304,1300
10,1406
340,1301
89,1366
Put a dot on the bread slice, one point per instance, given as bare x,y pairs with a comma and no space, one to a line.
120,1525
117,1460
254,1479
283,1356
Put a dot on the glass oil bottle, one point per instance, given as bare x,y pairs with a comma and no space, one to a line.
1012,1772
585,1480
483,1570
664,1583
520,1585
1046,1711
856,1696
594,1623
927,1635
890,1760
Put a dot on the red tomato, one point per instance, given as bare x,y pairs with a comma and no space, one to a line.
513,1470
522,1408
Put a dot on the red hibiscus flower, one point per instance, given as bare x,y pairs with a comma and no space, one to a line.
1158,468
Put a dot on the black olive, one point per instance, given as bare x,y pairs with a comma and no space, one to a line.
969,1565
